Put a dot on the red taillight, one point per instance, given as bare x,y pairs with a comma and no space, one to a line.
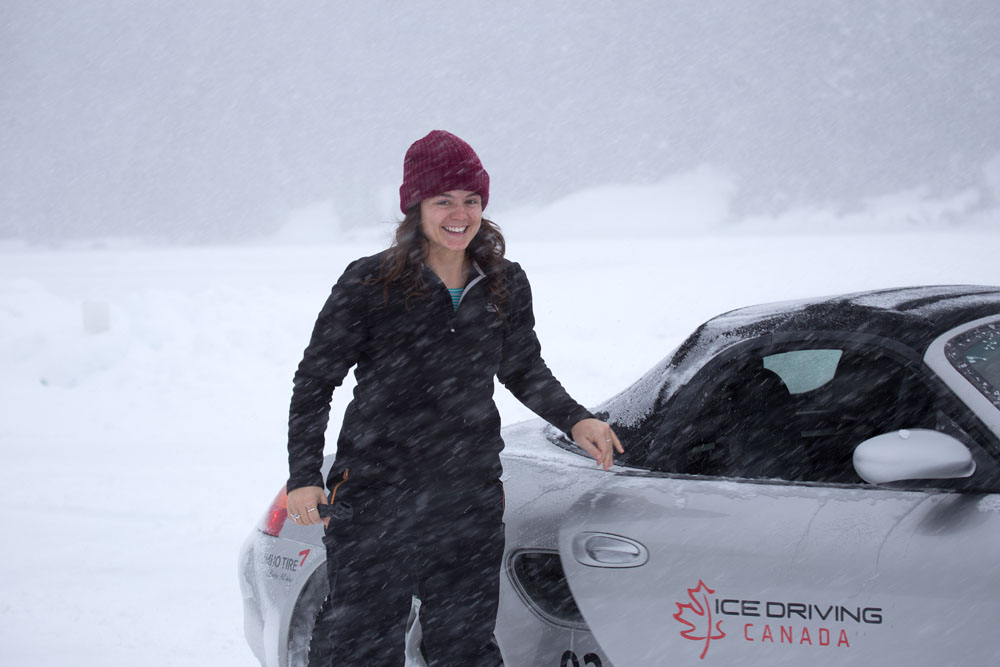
274,518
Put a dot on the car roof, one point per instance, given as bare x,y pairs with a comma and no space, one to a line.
912,316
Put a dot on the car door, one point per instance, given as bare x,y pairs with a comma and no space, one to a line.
773,551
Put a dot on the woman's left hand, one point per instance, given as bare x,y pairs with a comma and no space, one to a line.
597,439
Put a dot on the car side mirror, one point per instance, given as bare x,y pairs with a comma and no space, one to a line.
912,454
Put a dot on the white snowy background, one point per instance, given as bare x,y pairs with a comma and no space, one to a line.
181,183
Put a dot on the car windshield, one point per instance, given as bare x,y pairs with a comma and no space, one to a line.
976,355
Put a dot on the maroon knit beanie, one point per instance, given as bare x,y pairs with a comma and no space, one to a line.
438,163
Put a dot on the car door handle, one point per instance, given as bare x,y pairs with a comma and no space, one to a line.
606,550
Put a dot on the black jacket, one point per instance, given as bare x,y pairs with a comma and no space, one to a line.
423,406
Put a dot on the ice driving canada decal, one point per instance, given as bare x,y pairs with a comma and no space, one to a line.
703,613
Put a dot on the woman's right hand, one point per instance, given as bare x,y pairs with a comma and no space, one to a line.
303,503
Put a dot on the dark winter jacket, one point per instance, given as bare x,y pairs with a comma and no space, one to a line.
423,409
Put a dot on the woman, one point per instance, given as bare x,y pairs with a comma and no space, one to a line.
417,502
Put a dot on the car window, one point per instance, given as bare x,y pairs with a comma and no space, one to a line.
796,414
804,370
976,355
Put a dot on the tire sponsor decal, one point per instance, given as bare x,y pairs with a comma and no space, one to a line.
703,614
283,568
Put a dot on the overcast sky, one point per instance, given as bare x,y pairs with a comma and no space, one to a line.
194,120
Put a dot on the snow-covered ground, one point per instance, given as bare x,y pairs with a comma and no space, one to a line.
144,390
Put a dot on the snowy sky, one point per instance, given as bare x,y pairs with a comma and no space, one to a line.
194,121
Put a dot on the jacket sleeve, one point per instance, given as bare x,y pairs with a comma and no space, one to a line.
522,369
337,338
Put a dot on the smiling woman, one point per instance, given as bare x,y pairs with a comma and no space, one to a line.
416,499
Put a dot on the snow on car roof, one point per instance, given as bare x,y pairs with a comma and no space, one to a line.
914,316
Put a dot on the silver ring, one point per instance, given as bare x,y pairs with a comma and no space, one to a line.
295,517
311,509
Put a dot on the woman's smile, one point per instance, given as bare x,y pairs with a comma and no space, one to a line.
451,220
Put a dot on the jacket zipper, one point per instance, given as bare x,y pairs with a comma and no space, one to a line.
454,312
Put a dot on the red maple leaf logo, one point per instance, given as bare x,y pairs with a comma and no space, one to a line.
700,611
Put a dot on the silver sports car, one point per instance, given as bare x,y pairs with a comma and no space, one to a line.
813,482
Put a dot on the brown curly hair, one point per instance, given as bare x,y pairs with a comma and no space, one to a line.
404,260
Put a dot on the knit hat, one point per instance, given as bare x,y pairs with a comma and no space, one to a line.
438,163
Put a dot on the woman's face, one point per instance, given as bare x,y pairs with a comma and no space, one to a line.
451,219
